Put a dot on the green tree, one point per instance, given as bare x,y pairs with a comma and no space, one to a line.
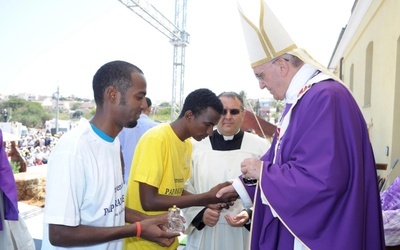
14,103
63,114
77,114
90,114
76,106
243,94
164,104
31,114
279,107
162,114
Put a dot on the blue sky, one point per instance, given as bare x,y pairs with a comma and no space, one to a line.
45,44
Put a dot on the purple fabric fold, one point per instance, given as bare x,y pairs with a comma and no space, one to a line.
324,186
8,186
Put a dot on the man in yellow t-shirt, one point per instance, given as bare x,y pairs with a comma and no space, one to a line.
161,163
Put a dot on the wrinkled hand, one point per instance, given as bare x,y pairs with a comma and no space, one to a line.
239,220
228,196
151,230
211,216
251,168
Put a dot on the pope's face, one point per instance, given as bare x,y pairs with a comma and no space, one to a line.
270,77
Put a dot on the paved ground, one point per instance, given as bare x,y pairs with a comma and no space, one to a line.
33,217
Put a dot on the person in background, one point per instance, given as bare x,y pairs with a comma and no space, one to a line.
129,137
16,157
161,163
47,140
84,206
13,231
317,183
214,160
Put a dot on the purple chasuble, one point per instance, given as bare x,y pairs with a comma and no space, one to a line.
325,187
8,186
287,107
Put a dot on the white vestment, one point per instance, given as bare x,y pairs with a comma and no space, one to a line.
15,234
209,168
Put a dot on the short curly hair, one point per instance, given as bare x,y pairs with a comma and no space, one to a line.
115,73
199,100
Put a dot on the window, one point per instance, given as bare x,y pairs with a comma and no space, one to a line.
368,75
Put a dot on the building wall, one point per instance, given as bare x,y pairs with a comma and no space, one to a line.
372,58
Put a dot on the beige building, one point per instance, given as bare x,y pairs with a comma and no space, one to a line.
367,59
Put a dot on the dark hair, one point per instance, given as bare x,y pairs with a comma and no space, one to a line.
148,102
234,96
199,100
117,74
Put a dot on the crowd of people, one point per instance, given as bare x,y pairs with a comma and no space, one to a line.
32,149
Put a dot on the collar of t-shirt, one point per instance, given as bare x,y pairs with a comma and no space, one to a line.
101,134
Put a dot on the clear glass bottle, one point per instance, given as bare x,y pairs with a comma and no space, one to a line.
175,223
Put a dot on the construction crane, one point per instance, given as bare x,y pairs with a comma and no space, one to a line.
178,37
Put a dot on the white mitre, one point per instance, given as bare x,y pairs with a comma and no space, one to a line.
266,38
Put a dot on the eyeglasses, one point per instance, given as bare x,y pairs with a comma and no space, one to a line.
231,111
259,76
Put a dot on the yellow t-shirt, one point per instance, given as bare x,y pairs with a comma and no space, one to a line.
161,160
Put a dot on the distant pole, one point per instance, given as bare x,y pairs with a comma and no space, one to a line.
57,99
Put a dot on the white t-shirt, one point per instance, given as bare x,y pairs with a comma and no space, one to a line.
84,185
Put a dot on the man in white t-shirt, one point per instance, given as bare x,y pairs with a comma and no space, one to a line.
85,203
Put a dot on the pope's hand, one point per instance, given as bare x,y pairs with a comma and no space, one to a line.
251,168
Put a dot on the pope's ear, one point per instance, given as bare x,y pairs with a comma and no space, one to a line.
284,66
